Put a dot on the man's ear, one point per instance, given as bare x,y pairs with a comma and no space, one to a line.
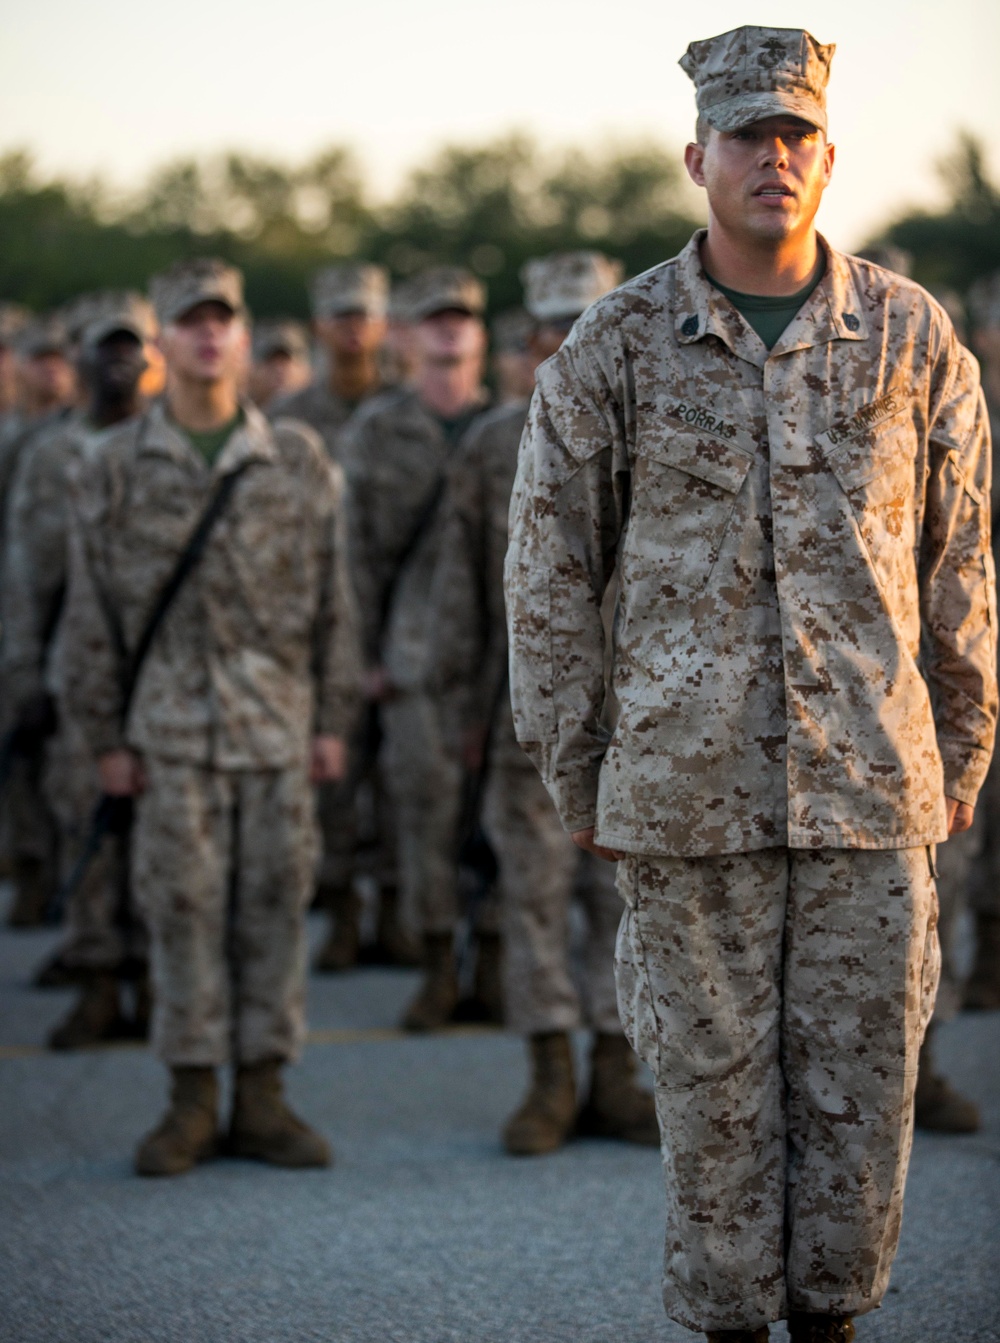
694,161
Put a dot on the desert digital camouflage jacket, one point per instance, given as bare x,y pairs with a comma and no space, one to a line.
468,654
259,650
36,551
395,456
321,409
805,640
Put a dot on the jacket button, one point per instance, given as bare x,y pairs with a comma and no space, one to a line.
690,327
851,322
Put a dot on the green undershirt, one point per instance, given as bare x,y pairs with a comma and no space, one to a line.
768,315
210,442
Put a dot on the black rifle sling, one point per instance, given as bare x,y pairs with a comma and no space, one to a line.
182,571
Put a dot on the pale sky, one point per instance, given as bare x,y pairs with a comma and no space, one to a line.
118,88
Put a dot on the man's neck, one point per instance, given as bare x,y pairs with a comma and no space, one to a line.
448,389
202,406
354,377
102,412
766,267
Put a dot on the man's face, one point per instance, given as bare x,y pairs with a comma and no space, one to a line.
449,337
209,343
114,368
549,336
47,378
764,181
351,334
278,374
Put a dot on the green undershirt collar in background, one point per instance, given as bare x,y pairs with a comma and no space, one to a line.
209,443
769,315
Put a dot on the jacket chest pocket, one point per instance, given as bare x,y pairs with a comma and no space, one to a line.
684,492
877,471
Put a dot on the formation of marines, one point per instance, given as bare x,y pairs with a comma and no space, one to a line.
255,656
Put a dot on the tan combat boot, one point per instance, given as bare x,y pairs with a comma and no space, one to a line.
265,1128
188,1132
803,1328
982,989
95,1018
937,1106
760,1335
545,1118
340,950
437,998
617,1107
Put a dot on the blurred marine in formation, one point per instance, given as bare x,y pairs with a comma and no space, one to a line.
105,942
281,364
396,455
540,867
783,453
212,664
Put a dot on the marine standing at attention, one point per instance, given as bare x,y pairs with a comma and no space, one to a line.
785,452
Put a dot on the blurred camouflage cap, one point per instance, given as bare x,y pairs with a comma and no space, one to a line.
353,287
12,318
889,257
442,288
750,73
563,284
46,334
511,330
118,310
280,335
984,302
200,280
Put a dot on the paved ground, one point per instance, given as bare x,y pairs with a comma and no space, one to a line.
423,1232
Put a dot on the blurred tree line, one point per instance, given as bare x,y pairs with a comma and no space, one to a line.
488,207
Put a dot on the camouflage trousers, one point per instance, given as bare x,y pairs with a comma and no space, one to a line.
355,815
424,779
222,867
541,873
103,930
780,998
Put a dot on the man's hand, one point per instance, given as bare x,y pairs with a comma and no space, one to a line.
121,774
329,760
960,816
584,839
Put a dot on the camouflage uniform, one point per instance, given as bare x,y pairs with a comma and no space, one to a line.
804,657
395,460
257,654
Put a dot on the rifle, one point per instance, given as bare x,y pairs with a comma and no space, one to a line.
113,815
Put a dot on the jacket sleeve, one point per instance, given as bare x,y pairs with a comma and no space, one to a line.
94,671
958,581
34,569
456,613
567,511
366,573
338,649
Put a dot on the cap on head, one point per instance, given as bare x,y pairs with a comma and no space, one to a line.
563,284
12,318
113,311
46,334
280,335
444,288
200,280
751,73
983,302
337,290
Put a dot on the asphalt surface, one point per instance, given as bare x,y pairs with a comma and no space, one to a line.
423,1231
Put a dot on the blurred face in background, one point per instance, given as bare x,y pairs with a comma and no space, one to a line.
350,335
46,380
209,344
8,379
548,336
278,373
448,338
